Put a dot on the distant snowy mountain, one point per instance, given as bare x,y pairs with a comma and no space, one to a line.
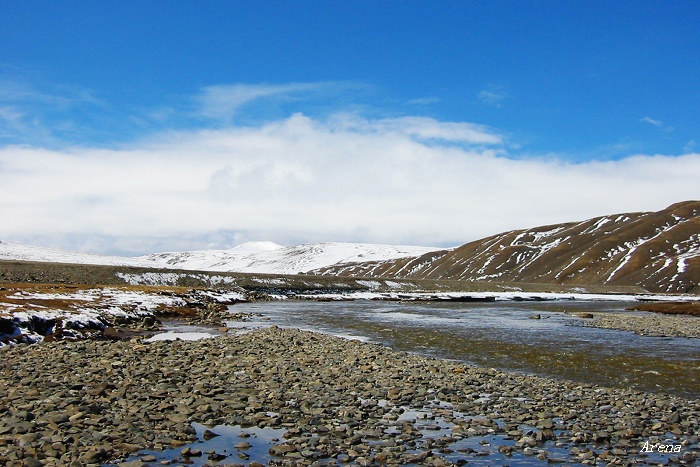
256,247
22,252
270,258
257,257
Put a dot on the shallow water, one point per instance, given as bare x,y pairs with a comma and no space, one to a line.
434,422
502,335
223,444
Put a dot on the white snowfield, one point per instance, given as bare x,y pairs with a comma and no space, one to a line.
253,257
22,252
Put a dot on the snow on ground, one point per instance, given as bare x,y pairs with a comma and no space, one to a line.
29,315
31,325
105,297
497,296
185,336
172,278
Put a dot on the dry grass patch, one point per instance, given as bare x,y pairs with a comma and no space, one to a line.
669,308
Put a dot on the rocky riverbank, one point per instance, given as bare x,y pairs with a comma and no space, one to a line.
32,313
647,325
334,400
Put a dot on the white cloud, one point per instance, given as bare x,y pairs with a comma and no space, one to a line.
652,121
10,121
58,97
423,101
40,115
300,179
657,123
11,114
492,97
225,101
422,128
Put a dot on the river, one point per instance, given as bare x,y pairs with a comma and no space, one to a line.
502,335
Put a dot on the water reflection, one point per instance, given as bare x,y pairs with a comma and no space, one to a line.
220,444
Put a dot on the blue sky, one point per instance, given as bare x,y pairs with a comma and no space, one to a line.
598,90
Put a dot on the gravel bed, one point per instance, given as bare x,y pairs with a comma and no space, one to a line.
647,325
339,401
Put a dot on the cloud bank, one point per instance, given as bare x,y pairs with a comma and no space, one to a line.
410,180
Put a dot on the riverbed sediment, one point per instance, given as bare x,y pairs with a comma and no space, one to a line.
646,325
339,401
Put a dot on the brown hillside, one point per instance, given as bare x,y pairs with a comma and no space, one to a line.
659,251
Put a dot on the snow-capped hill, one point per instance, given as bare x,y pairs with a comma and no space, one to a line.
659,251
303,258
270,258
22,252
256,247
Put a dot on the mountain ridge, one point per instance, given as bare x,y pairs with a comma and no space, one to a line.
659,251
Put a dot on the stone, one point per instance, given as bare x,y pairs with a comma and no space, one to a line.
189,452
32,462
94,455
215,456
546,424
